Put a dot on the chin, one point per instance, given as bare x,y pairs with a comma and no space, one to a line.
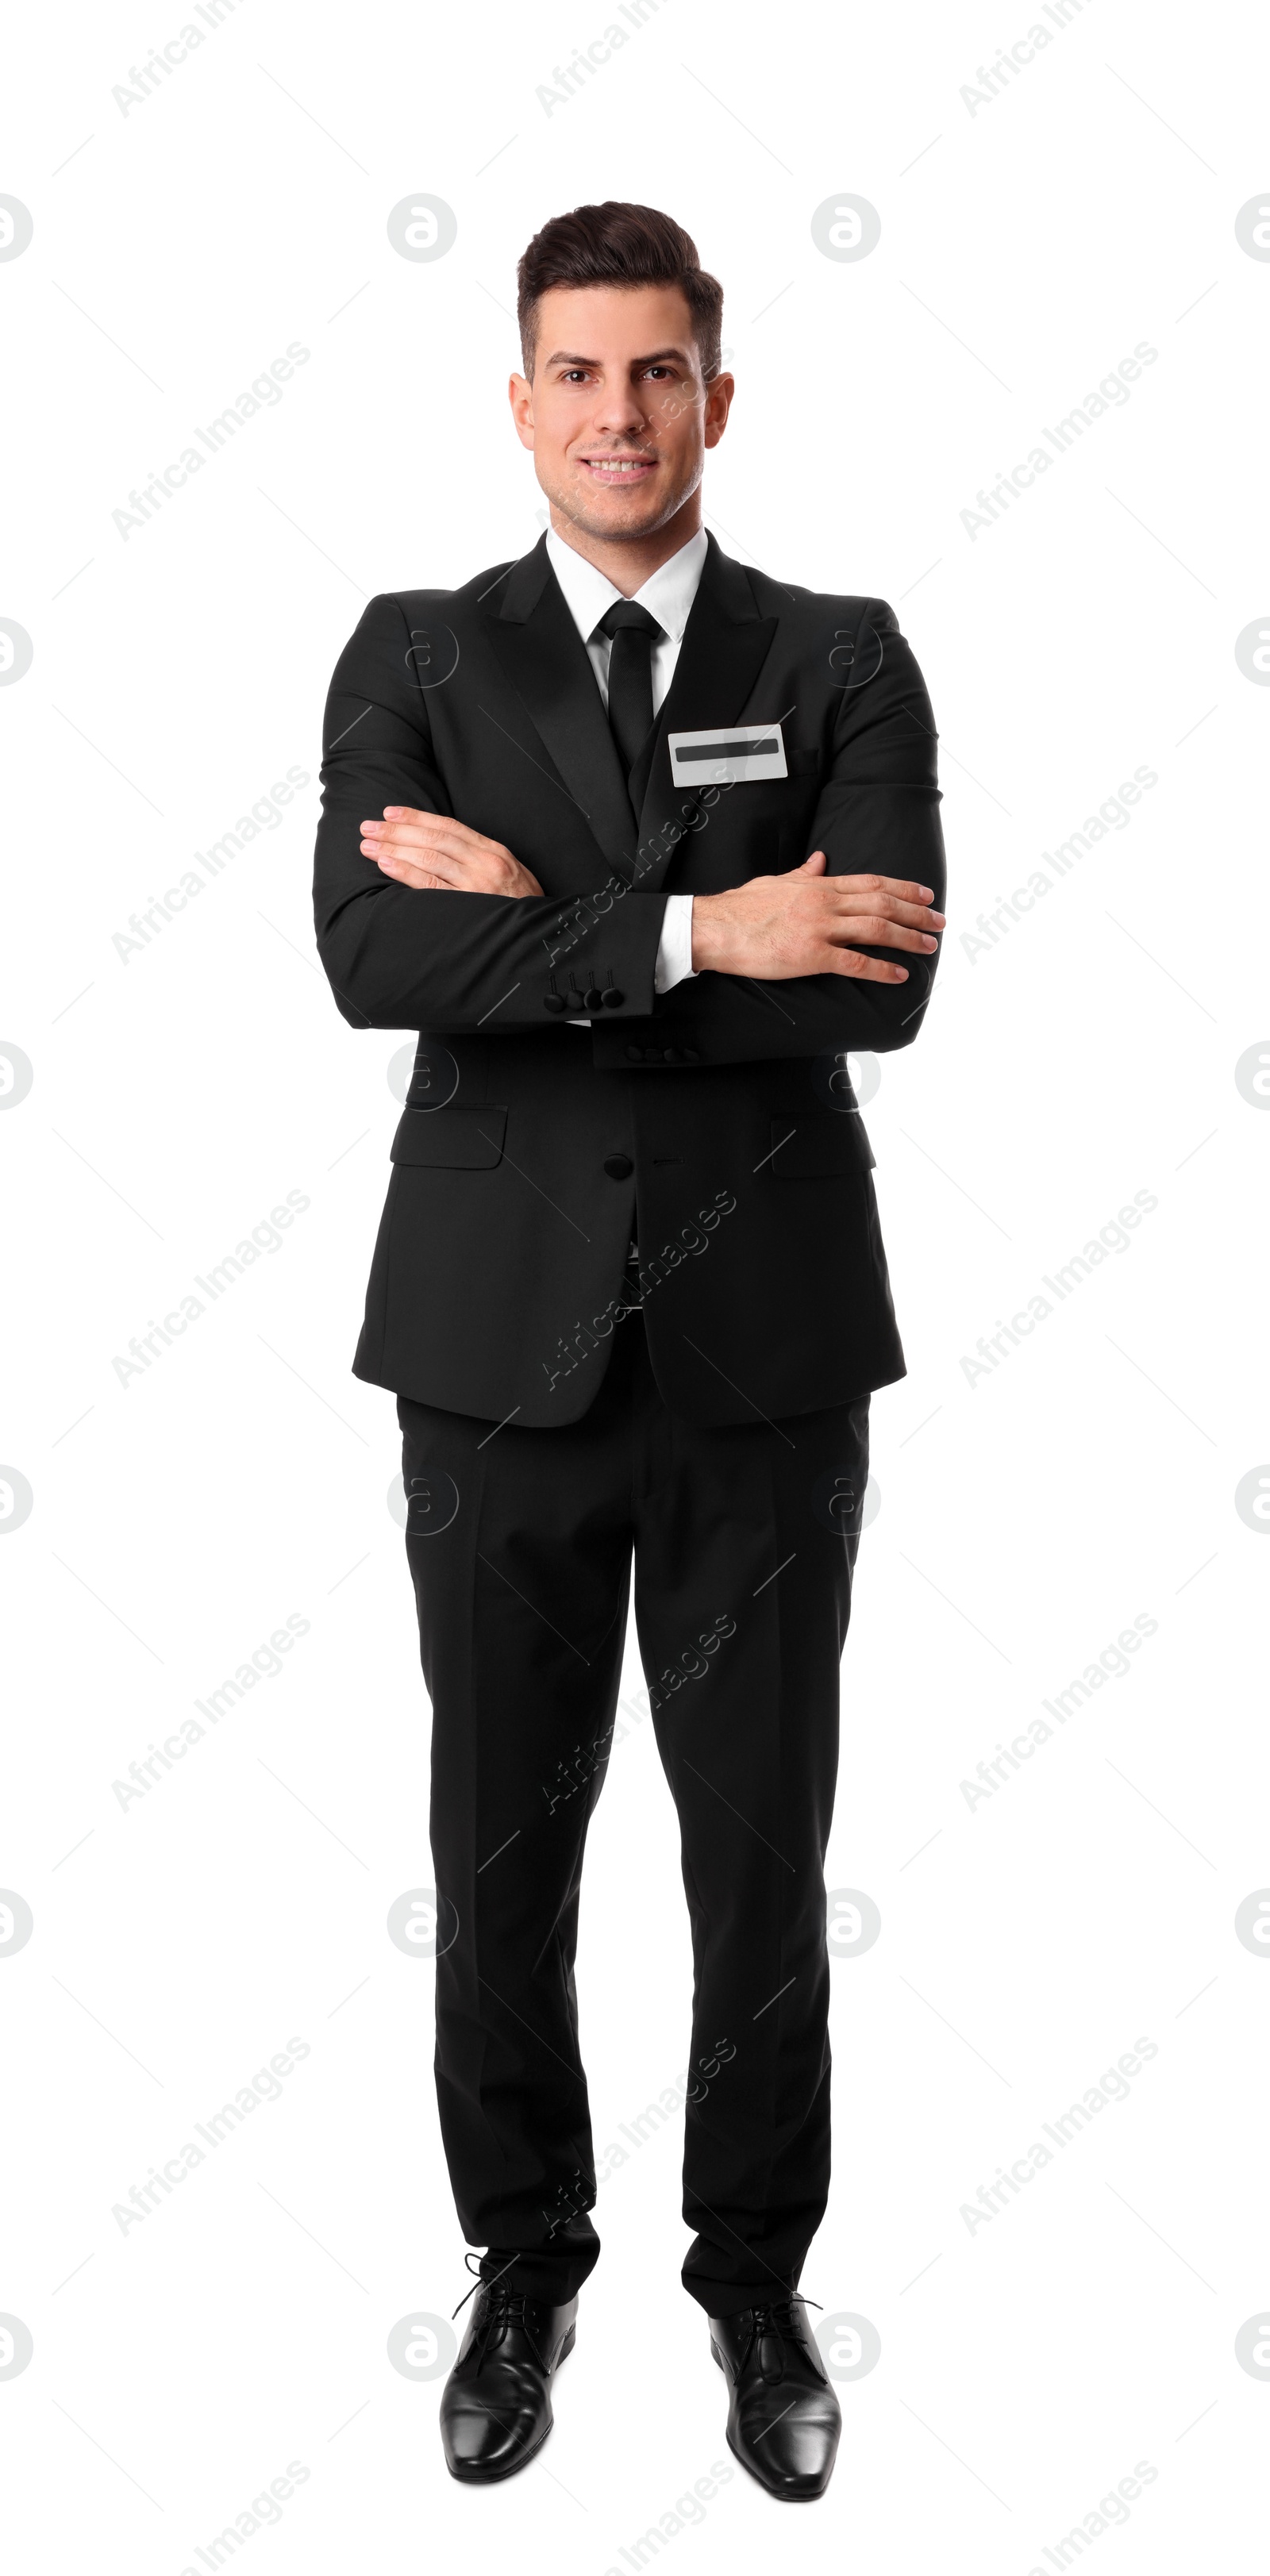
618,520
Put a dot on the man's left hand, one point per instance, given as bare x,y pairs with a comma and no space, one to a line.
433,850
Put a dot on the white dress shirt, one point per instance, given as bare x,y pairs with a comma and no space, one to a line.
668,595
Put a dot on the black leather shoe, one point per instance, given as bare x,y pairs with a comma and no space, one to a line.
783,2418
496,2403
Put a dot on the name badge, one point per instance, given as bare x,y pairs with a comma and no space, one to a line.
728,756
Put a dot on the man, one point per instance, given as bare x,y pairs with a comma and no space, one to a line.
643,843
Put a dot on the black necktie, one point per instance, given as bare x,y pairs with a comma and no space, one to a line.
630,676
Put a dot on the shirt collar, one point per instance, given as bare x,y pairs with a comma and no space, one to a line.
668,593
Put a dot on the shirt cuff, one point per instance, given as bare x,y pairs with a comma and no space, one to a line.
674,948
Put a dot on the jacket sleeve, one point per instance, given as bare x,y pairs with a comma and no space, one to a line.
878,814
398,957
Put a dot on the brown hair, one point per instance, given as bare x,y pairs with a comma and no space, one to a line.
619,245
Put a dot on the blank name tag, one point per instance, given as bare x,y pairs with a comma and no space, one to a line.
728,756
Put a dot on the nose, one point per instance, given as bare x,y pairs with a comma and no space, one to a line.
619,412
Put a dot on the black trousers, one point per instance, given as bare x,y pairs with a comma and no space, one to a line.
520,1546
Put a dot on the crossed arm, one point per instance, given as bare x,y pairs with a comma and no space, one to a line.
783,962
804,922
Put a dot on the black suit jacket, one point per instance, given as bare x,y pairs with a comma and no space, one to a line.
715,1122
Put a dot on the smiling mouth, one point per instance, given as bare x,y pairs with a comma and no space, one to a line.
615,469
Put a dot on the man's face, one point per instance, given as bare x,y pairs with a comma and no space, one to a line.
617,414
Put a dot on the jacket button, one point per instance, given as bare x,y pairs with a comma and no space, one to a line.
634,1055
612,999
553,1001
593,997
690,1056
618,1166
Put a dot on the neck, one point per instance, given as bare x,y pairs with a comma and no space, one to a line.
628,562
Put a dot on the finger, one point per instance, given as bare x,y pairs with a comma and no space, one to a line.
465,876
411,840
860,932
399,836
453,841
447,822
388,854
900,887
409,873
406,824
814,866
918,916
443,832
419,831
399,814
867,970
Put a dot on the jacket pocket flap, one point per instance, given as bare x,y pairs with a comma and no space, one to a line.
814,1144
452,1140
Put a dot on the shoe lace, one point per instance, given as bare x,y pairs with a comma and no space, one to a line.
501,2309
779,2321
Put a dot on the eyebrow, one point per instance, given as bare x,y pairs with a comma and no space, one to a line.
571,358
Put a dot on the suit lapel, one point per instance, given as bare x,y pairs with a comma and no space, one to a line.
546,661
725,645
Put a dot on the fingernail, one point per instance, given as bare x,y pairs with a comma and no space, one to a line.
927,893
930,943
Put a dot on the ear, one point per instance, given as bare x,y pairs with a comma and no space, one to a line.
520,394
718,404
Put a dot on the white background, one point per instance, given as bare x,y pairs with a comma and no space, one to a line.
1026,1518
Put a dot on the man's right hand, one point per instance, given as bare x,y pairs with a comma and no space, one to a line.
806,923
